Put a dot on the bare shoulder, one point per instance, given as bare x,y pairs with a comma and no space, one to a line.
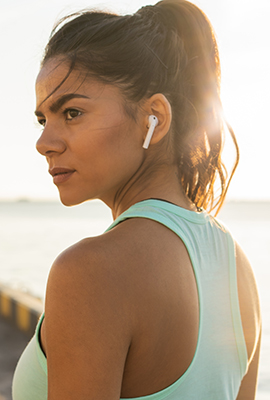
105,258
88,318
102,270
106,303
108,274
87,275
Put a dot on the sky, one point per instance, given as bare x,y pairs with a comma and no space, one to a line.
243,31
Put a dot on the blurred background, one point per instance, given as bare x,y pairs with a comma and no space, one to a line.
35,227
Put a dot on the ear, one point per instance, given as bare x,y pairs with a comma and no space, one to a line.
159,106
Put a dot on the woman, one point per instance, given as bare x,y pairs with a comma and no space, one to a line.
131,115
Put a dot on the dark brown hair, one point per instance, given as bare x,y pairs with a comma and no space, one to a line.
168,48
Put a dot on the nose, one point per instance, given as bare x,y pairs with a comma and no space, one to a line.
50,142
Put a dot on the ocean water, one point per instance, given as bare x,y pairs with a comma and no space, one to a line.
32,234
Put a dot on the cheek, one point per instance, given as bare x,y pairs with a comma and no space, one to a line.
114,151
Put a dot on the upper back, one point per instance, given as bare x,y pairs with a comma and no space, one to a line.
155,310
206,316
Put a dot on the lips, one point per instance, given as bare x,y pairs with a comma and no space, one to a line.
60,174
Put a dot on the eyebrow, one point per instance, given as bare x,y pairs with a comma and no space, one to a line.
55,107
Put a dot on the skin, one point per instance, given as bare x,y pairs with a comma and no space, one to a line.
122,307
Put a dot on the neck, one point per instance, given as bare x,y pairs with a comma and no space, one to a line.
162,183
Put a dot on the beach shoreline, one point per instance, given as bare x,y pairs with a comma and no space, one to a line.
19,313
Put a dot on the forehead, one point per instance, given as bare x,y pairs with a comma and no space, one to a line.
52,78
55,80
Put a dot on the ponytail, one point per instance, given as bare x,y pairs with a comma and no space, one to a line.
200,141
168,48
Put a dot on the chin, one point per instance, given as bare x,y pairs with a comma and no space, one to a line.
69,203
70,199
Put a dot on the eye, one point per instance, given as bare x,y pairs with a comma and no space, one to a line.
42,121
72,113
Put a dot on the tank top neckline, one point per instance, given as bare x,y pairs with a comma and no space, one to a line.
198,217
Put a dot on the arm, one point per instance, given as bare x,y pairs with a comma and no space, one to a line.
251,322
249,383
86,328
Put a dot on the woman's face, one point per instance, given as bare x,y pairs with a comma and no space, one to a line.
91,145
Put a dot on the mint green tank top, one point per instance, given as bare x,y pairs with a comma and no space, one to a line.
220,359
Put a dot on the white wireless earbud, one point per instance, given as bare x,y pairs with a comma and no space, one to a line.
153,121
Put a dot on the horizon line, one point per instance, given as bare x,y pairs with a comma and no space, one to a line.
26,199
